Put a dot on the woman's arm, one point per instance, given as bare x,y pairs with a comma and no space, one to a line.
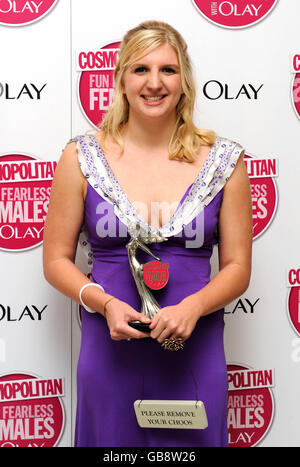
235,247
62,227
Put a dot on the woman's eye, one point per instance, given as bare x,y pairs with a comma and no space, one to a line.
140,69
143,69
169,70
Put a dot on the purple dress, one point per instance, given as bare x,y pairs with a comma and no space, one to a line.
111,374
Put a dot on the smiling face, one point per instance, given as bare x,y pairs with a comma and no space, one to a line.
152,84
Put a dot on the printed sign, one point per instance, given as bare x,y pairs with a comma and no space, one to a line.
171,414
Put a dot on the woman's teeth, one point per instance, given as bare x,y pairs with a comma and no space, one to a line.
153,98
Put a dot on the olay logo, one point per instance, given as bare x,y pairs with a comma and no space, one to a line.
214,90
25,90
19,12
234,14
243,305
28,312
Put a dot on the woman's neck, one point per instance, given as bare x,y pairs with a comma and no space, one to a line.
149,133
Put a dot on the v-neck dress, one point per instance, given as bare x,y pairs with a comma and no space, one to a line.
112,375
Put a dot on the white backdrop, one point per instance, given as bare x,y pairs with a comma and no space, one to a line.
259,334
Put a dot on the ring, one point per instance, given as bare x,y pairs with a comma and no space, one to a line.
172,344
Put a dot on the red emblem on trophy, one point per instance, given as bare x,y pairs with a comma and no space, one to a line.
156,274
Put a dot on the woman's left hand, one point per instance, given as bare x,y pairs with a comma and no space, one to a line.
174,321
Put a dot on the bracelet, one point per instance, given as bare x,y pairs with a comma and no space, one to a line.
80,293
104,308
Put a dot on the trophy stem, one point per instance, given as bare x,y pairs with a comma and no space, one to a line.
149,305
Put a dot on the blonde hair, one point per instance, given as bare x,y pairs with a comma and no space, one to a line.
186,138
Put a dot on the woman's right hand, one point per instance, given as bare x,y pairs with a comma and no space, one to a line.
118,315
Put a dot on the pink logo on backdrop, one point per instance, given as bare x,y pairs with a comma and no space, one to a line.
25,185
19,12
96,82
293,283
261,173
234,13
31,411
296,83
250,405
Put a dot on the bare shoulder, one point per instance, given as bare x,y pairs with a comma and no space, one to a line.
236,207
69,156
68,172
66,207
239,176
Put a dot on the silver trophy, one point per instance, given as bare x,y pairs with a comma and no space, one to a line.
149,305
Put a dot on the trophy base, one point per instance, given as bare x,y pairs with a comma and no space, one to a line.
143,327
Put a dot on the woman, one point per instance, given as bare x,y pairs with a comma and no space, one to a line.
148,155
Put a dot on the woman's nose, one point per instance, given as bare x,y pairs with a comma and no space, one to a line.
154,79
